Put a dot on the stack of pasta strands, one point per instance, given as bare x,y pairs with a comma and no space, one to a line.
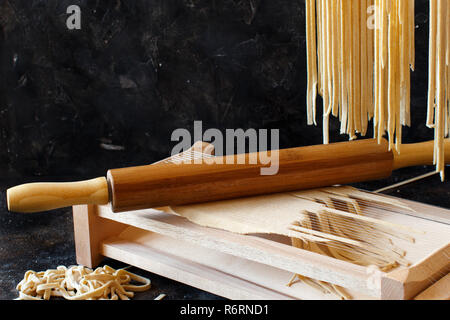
359,58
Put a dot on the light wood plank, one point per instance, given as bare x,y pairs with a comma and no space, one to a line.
253,248
438,291
222,274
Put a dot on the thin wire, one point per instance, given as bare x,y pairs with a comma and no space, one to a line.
355,230
379,214
425,237
369,209
368,247
400,184
334,225
333,245
365,241
367,255
373,255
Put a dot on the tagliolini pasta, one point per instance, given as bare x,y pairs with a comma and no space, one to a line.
81,283
359,58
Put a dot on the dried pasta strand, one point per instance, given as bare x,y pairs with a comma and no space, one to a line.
312,61
432,63
438,111
335,58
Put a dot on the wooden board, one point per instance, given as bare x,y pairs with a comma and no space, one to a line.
438,291
252,267
225,275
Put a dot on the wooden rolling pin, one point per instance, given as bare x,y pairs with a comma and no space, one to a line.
159,185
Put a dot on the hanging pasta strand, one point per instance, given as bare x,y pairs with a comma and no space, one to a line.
335,57
343,100
327,100
363,68
381,81
441,104
377,68
404,63
319,45
370,38
432,63
350,75
312,60
438,113
447,74
412,28
392,73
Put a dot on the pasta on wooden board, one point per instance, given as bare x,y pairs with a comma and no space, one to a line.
335,221
363,70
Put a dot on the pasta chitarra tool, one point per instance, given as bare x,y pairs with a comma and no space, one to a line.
164,184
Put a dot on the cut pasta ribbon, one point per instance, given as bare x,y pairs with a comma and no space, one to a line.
438,116
81,283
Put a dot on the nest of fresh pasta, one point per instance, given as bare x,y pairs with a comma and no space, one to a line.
81,283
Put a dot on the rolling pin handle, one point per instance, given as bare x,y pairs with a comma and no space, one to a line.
43,196
418,154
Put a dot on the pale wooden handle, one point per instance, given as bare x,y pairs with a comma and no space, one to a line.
34,197
418,154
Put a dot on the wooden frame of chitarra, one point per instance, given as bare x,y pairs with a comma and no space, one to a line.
238,266
249,266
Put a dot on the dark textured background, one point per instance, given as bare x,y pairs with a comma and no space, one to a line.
136,71
139,69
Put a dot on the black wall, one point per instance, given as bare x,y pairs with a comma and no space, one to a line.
137,70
